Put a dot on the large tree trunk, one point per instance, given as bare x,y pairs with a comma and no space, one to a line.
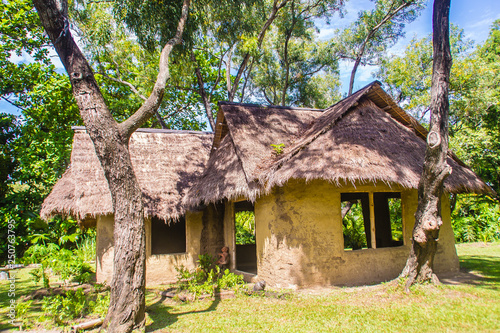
419,266
127,299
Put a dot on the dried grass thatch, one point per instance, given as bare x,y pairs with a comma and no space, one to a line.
365,145
236,156
166,164
363,138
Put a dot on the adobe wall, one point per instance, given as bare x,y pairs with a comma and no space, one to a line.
159,268
300,240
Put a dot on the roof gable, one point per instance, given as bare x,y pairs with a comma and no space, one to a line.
253,128
366,145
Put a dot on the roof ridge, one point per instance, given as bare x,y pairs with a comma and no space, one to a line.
154,130
270,106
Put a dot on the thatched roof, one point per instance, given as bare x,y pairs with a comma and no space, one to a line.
363,138
166,164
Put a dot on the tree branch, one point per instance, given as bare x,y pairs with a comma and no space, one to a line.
260,39
388,16
153,102
13,104
135,91
203,93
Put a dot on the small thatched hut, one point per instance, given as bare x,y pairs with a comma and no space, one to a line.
333,192
304,172
166,164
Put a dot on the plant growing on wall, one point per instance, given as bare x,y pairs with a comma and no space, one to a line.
278,148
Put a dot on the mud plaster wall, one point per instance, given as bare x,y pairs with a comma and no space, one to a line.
212,233
300,241
159,268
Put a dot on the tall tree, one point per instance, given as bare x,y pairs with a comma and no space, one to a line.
110,138
375,31
293,67
35,147
419,266
126,70
474,95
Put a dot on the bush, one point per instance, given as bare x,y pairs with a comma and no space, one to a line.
206,278
66,264
245,227
75,304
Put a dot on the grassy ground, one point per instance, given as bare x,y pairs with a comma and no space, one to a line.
470,304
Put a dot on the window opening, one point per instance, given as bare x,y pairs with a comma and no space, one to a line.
168,238
244,225
355,220
387,219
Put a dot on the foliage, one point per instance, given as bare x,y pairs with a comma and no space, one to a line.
476,218
69,265
396,216
245,227
35,147
206,279
408,76
294,68
474,95
75,304
366,39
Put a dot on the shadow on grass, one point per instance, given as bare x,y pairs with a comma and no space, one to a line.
162,318
481,270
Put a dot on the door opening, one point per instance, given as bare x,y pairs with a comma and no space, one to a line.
244,226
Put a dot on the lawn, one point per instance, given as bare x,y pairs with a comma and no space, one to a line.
470,303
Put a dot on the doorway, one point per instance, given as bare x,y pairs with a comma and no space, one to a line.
244,228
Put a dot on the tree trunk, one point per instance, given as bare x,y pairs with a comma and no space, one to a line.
201,89
127,300
419,266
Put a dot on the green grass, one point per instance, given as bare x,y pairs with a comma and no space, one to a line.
473,305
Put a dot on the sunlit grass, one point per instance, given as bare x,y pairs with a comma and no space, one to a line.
472,306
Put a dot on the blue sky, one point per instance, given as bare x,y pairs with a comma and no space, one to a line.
474,16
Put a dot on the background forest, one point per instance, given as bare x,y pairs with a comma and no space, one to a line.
265,52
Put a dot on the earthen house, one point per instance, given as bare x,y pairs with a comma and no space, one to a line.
299,170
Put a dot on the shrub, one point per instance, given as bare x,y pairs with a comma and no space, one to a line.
75,304
204,279
69,265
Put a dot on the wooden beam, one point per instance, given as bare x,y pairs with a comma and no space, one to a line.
372,221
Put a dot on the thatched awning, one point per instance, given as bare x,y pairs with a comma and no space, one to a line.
363,138
166,164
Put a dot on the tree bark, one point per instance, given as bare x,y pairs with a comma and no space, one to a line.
419,266
127,300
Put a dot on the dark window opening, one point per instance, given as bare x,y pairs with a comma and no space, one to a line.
168,238
356,223
244,227
356,220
